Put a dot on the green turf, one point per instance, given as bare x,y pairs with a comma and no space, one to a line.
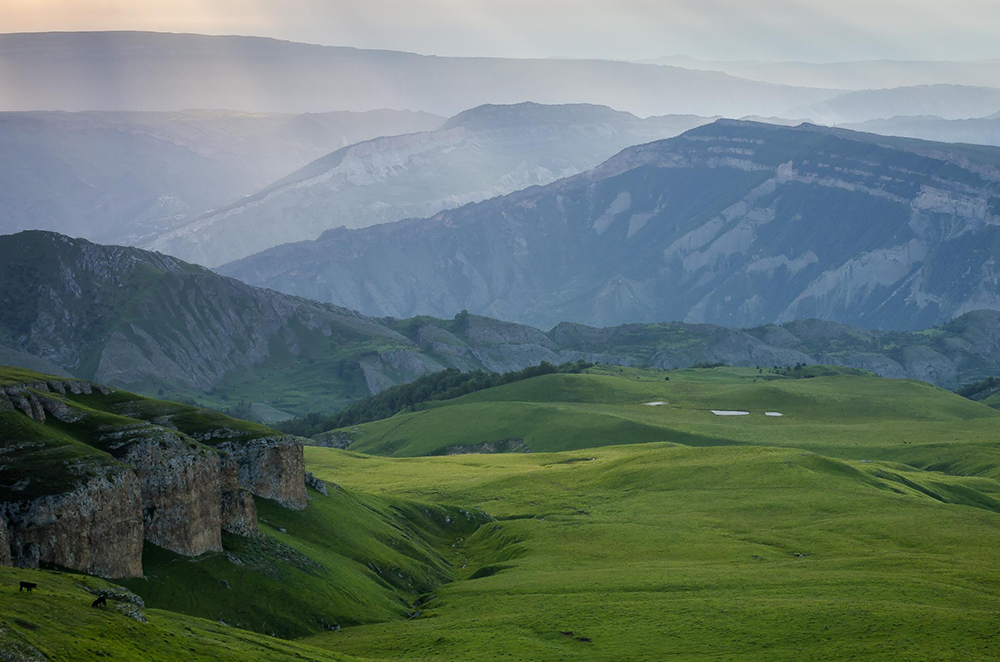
851,416
861,525
657,551
56,622
344,560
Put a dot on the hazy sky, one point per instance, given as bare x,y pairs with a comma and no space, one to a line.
816,30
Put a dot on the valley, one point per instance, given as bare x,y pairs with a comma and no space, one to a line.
717,531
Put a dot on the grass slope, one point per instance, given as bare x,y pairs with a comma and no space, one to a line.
346,559
847,415
56,622
658,551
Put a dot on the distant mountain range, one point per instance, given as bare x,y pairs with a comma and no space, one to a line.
478,154
117,177
944,101
156,325
980,131
733,223
861,75
157,71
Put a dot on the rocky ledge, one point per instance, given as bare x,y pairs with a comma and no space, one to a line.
119,480
95,528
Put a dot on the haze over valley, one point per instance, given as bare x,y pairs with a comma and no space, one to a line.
499,330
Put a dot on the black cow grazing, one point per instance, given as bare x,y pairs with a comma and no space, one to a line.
27,586
100,602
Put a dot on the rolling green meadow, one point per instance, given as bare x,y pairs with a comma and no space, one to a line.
861,524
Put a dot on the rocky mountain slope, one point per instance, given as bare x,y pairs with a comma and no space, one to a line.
965,349
946,101
165,328
89,473
734,223
153,324
157,71
117,177
478,154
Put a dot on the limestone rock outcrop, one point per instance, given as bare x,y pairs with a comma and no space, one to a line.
239,512
95,528
315,483
4,544
271,467
181,495
124,478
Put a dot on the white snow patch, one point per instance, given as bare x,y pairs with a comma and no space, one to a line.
729,412
773,413
655,403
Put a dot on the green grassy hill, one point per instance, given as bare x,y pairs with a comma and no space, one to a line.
658,551
844,413
345,559
861,524
56,622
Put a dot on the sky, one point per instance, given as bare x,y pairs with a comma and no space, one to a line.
809,30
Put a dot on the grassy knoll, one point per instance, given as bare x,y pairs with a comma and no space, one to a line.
344,560
56,622
660,551
845,415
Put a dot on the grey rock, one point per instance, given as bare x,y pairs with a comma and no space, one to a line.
94,528
4,544
271,467
315,483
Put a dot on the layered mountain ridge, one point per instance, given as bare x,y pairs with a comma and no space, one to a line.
156,325
159,71
118,177
733,223
480,153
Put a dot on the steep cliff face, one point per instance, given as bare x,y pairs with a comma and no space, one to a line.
181,493
272,468
4,543
95,527
87,473
239,512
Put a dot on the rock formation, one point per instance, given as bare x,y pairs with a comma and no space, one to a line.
271,467
239,512
115,480
95,528
181,494
4,544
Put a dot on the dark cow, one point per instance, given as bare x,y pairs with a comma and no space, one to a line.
102,601
27,586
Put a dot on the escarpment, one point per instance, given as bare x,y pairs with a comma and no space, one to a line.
239,512
87,474
96,527
271,467
181,493
4,543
